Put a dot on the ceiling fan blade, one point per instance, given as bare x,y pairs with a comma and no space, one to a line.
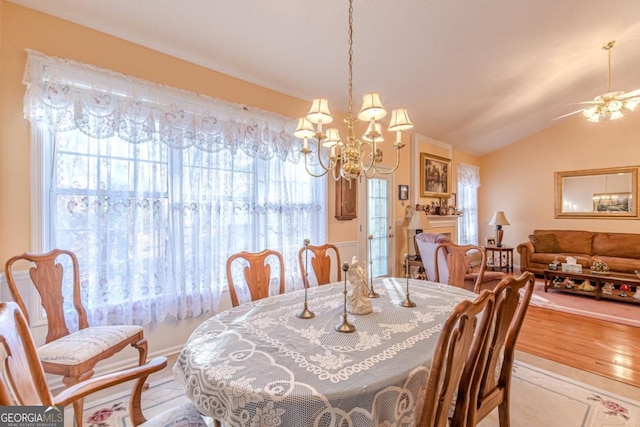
632,94
568,114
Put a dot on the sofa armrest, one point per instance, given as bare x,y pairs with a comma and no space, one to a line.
525,249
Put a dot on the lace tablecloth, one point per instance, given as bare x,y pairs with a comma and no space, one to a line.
260,365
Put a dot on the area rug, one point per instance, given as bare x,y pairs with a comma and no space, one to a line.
627,313
539,398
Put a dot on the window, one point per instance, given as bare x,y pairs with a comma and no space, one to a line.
468,184
154,206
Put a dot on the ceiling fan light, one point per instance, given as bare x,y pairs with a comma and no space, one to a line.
615,115
632,103
595,118
589,112
614,105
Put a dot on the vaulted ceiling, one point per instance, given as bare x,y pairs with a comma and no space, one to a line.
477,74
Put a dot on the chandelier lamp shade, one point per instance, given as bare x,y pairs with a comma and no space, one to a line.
611,105
353,157
499,219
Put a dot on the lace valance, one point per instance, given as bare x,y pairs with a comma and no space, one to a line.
469,175
63,94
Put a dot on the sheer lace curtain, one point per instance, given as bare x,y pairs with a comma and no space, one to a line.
468,184
154,188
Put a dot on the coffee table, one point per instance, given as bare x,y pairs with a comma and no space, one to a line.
598,280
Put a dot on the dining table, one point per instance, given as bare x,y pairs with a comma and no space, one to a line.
259,364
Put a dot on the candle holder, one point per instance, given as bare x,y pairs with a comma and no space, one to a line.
372,293
306,313
407,302
345,326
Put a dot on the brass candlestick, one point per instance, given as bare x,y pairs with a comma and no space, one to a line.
372,293
345,326
306,313
407,302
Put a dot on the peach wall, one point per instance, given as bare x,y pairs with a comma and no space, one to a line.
22,28
519,179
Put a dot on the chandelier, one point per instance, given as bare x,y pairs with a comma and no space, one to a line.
611,104
354,157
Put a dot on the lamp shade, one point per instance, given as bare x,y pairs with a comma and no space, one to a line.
333,137
400,120
304,129
419,222
319,111
499,219
372,108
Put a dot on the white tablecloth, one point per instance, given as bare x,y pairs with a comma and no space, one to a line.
260,365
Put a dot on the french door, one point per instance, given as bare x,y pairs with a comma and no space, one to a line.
375,228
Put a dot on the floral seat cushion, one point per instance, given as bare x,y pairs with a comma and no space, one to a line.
85,344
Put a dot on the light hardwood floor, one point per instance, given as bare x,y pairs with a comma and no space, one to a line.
604,348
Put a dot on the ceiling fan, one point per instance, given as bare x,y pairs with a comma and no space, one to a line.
609,105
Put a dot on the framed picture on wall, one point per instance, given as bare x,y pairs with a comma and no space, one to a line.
403,192
435,176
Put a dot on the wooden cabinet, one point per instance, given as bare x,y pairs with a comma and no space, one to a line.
346,199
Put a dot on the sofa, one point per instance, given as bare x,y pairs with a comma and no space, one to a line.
620,251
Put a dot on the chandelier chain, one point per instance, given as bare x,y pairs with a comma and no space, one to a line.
350,115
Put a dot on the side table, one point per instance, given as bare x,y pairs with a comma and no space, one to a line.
420,273
501,264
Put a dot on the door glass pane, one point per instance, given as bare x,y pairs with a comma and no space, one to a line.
378,225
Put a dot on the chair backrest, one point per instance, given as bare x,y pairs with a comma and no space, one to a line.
491,381
320,259
455,358
48,275
457,264
23,381
427,244
256,278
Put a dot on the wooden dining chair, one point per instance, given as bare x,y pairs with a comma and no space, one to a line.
70,354
254,274
24,382
320,259
492,381
455,358
455,267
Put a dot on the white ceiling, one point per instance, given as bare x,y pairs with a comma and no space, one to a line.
477,74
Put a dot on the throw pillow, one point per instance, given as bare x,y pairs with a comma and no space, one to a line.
545,243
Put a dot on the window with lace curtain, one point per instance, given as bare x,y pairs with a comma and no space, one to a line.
154,192
468,184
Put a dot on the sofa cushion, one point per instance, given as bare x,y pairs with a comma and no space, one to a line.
621,245
545,243
571,241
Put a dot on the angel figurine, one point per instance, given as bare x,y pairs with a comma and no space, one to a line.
357,300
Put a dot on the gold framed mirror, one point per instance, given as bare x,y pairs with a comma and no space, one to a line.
597,193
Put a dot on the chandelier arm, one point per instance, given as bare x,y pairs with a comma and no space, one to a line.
326,168
389,172
306,166
373,155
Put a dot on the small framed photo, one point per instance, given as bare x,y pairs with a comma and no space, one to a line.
403,192
491,241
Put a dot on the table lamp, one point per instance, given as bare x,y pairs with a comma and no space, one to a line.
418,224
499,219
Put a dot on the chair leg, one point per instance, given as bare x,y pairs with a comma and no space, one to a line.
503,412
78,409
